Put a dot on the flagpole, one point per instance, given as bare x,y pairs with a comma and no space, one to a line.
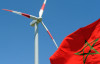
36,55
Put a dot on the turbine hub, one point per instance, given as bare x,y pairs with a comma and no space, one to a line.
39,20
36,21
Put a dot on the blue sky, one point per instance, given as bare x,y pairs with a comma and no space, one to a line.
62,17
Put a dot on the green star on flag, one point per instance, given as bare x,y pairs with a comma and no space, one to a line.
91,48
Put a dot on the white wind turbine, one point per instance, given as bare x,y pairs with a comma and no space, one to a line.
35,22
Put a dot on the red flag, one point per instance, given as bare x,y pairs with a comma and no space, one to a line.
80,47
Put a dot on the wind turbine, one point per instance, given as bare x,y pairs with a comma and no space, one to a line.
35,22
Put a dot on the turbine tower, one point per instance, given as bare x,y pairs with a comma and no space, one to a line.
35,22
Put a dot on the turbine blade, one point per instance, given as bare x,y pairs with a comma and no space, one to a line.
49,34
20,13
42,9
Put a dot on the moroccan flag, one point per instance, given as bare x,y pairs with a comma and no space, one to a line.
80,47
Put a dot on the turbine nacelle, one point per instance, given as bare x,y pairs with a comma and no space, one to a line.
38,20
